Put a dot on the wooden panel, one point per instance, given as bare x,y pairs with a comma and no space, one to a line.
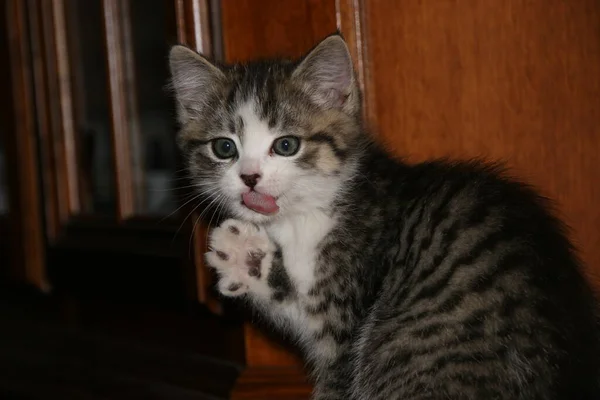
193,24
54,211
64,91
267,28
54,112
515,80
272,383
25,218
116,49
277,354
273,372
351,23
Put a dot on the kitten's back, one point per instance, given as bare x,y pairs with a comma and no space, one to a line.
486,299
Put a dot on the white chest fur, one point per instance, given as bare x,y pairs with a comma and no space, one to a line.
299,237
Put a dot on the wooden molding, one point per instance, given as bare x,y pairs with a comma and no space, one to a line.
119,108
263,351
193,25
55,112
271,383
273,370
352,24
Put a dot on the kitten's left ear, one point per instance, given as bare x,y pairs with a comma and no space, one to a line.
327,73
194,79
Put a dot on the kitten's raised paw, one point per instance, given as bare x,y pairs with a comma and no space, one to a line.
241,252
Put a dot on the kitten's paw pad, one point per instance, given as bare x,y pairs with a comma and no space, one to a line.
240,252
228,286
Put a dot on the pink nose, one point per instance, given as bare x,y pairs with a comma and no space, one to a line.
250,180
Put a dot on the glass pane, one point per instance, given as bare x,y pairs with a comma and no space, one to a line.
151,27
3,183
91,105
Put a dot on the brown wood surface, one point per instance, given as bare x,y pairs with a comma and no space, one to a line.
119,108
351,23
25,215
54,112
134,134
68,144
267,28
193,25
271,383
41,40
515,80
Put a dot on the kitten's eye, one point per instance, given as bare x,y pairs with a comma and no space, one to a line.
224,148
286,146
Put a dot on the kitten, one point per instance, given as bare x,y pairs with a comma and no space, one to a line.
432,281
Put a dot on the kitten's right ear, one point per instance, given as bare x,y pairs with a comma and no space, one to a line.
194,80
328,74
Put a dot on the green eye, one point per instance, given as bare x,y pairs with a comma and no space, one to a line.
224,148
286,146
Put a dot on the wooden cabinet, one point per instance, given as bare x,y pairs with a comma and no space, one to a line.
94,206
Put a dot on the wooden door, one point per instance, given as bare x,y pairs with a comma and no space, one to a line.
510,80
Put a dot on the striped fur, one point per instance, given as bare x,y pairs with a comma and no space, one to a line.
441,280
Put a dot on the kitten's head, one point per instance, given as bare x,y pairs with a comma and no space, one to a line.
268,139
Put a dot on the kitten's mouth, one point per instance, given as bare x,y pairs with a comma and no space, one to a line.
261,203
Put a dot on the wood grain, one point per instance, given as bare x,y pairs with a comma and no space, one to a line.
55,113
25,215
351,22
274,28
514,80
193,25
63,77
53,178
119,107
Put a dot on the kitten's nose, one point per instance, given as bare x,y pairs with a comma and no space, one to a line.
250,180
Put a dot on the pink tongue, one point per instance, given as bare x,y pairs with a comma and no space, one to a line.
261,203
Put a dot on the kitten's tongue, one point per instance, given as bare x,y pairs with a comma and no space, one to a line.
261,203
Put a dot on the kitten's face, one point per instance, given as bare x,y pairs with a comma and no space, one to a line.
269,139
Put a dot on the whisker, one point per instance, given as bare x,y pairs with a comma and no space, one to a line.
190,213
198,219
220,209
194,196
175,188
211,203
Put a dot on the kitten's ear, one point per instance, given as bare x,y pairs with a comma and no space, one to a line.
194,80
327,72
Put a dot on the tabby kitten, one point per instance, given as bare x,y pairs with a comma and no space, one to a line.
431,281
